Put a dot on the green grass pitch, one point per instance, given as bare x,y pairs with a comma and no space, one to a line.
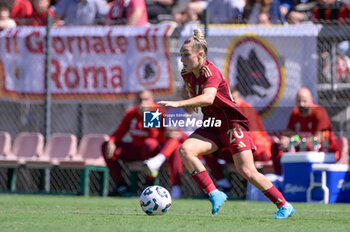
39,213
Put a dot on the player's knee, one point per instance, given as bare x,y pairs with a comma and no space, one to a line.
186,151
247,173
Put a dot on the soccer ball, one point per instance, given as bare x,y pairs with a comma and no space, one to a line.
155,200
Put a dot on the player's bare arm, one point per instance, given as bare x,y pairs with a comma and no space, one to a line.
205,99
110,149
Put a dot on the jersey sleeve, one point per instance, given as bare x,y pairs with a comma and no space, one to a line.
123,128
213,78
322,119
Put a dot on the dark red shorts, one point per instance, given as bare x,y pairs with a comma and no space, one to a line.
234,138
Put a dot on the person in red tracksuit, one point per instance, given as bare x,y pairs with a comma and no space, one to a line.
148,145
309,121
131,12
21,9
40,10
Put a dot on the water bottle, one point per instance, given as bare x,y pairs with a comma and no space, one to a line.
303,145
315,144
291,147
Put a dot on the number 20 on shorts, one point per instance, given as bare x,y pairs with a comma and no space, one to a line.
234,134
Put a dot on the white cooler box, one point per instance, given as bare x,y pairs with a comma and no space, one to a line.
330,183
297,168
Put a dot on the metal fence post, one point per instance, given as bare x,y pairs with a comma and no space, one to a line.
47,78
333,69
206,23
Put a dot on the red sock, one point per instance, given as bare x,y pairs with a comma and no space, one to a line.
275,196
204,181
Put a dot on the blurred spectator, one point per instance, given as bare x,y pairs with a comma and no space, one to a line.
40,10
259,11
331,12
185,11
225,11
220,11
310,122
286,6
132,12
5,11
179,11
342,68
344,47
342,71
298,11
21,9
81,12
195,9
159,10
264,19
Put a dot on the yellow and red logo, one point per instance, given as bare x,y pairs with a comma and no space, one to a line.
255,67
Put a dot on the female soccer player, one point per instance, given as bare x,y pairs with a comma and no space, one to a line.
209,90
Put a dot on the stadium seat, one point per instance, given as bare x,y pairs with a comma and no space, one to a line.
60,147
89,152
89,158
28,147
7,159
90,149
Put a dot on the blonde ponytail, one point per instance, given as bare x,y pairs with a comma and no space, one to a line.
198,40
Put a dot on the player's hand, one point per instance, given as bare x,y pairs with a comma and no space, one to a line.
284,143
173,104
110,149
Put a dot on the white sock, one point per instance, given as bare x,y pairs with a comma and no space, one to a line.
223,183
216,190
155,162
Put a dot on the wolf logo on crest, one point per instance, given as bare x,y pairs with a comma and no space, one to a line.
250,73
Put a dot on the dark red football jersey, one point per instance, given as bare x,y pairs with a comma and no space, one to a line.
223,108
